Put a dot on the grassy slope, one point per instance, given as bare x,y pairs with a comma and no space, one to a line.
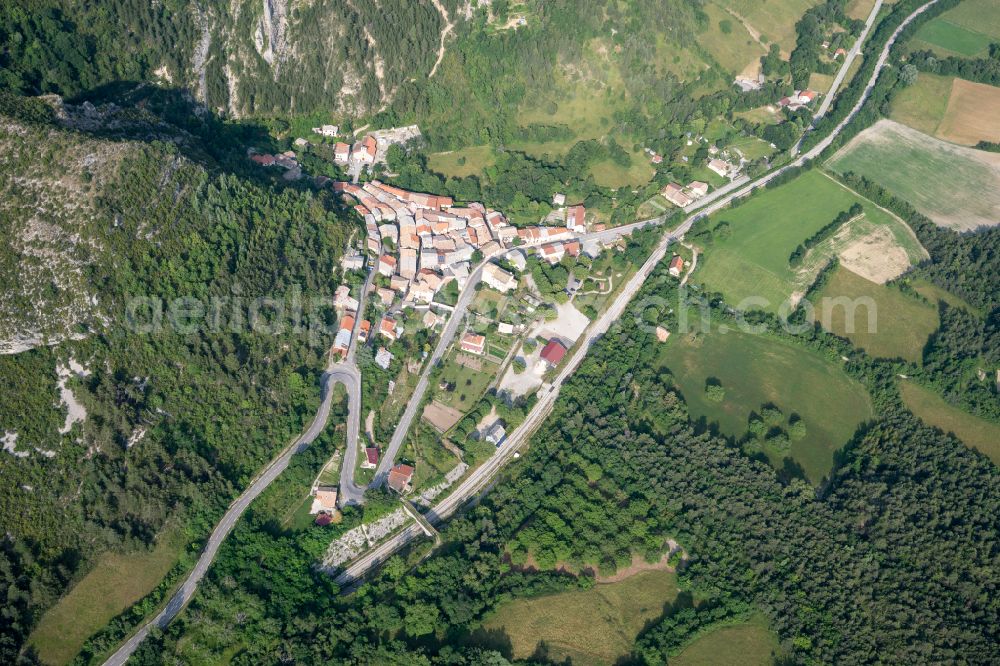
922,105
774,20
753,261
755,370
975,432
950,184
733,51
750,644
934,294
901,323
595,626
115,583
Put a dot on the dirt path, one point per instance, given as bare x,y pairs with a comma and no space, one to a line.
750,29
444,33
370,425
694,263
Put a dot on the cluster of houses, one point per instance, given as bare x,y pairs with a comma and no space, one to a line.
684,196
372,148
423,241
798,100
285,160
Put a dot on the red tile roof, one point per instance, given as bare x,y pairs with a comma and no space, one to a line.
553,352
371,453
400,477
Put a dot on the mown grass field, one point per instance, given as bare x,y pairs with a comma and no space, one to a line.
595,626
975,432
954,186
749,644
752,263
115,583
922,105
947,38
756,370
965,30
897,326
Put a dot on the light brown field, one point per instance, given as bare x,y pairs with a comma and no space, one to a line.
876,256
973,113
442,417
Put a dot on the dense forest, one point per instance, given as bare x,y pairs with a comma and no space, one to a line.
185,399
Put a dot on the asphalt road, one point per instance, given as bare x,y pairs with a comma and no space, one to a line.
480,478
848,60
447,335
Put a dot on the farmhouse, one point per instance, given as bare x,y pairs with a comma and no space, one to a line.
326,130
324,500
498,278
676,266
400,477
474,344
341,152
553,353
673,193
697,189
721,167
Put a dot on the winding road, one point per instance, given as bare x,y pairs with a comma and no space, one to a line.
229,520
347,373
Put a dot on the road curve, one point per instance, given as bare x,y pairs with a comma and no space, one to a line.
229,519
350,376
480,478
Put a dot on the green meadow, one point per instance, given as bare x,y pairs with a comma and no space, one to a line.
750,267
758,369
749,644
896,325
965,30
595,626
932,409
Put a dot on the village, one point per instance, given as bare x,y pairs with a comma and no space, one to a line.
537,289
